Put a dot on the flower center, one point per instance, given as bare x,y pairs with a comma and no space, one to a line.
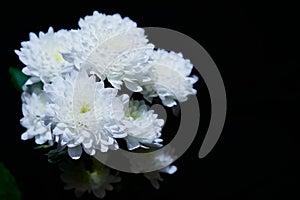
84,109
129,112
58,57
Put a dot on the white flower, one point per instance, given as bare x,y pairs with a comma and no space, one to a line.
141,125
42,55
171,79
112,47
97,179
33,108
85,113
155,176
162,159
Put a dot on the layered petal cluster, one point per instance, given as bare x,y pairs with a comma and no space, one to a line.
171,80
112,47
42,55
143,127
33,108
84,112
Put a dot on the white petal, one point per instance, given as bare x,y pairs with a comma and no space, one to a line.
133,86
75,152
169,169
24,136
132,143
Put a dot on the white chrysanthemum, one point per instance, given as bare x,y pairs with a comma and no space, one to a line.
33,109
112,47
171,79
162,159
85,113
98,179
42,55
155,176
141,125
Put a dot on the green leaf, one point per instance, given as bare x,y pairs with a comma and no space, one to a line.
18,78
8,187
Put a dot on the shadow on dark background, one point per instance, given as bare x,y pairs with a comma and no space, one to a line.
254,46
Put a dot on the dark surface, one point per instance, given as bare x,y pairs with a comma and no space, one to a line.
255,47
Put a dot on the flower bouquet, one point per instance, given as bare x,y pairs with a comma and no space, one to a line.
93,90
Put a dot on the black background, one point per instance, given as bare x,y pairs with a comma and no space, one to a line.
255,46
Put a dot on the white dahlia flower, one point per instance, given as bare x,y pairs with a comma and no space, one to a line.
42,55
141,125
170,80
112,47
85,114
33,108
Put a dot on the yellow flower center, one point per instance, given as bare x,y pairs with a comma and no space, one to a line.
84,109
58,57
